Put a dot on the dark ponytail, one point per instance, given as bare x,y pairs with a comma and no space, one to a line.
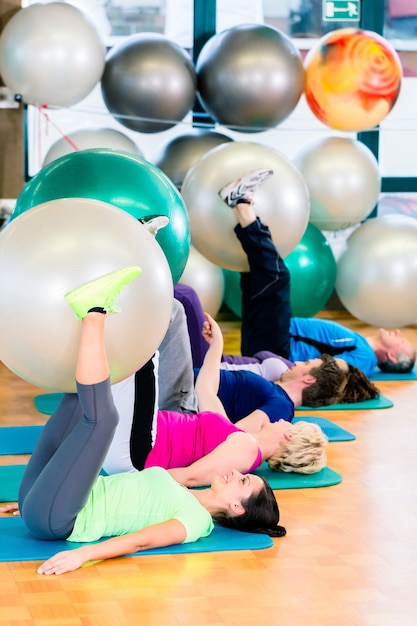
261,515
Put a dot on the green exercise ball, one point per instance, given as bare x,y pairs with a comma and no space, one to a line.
313,273
122,179
232,293
313,276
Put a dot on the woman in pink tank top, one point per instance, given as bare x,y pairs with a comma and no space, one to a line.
195,448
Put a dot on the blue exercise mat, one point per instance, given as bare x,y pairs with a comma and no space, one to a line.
19,439
333,431
381,402
16,544
388,376
10,479
11,476
47,403
22,439
291,480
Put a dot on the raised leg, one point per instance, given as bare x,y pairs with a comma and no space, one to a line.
266,309
58,481
195,320
175,369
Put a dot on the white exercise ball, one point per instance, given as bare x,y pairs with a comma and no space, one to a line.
377,273
51,54
87,138
55,247
281,202
207,280
343,179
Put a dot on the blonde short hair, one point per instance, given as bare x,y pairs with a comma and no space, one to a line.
304,453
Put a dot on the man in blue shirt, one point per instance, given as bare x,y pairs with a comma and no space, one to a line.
316,382
266,311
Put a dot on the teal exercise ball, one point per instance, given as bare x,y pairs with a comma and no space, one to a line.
232,292
313,271
125,180
55,247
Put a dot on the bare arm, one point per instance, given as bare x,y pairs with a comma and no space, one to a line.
239,452
208,379
253,422
155,536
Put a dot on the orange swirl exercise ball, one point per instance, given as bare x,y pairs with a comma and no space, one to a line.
353,79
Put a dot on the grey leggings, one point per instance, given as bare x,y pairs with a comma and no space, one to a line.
67,460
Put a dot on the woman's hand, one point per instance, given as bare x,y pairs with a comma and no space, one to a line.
63,562
10,508
211,330
156,536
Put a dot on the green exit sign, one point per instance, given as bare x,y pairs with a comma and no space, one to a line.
341,10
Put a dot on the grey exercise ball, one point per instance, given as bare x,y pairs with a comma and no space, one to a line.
377,273
149,83
51,54
250,77
87,138
206,279
343,179
281,201
66,242
177,155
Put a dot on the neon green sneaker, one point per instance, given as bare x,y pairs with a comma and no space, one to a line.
101,292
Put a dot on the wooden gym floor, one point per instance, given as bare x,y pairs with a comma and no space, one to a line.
349,557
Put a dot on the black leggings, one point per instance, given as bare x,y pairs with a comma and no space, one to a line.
144,413
67,460
266,308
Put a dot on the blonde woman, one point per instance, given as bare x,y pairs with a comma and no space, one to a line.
194,448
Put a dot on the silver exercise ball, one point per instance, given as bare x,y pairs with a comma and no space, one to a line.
149,83
250,77
177,155
67,242
377,273
343,179
281,201
86,138
207,280
51,54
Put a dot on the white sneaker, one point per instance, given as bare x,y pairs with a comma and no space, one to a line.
154,223
243,188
